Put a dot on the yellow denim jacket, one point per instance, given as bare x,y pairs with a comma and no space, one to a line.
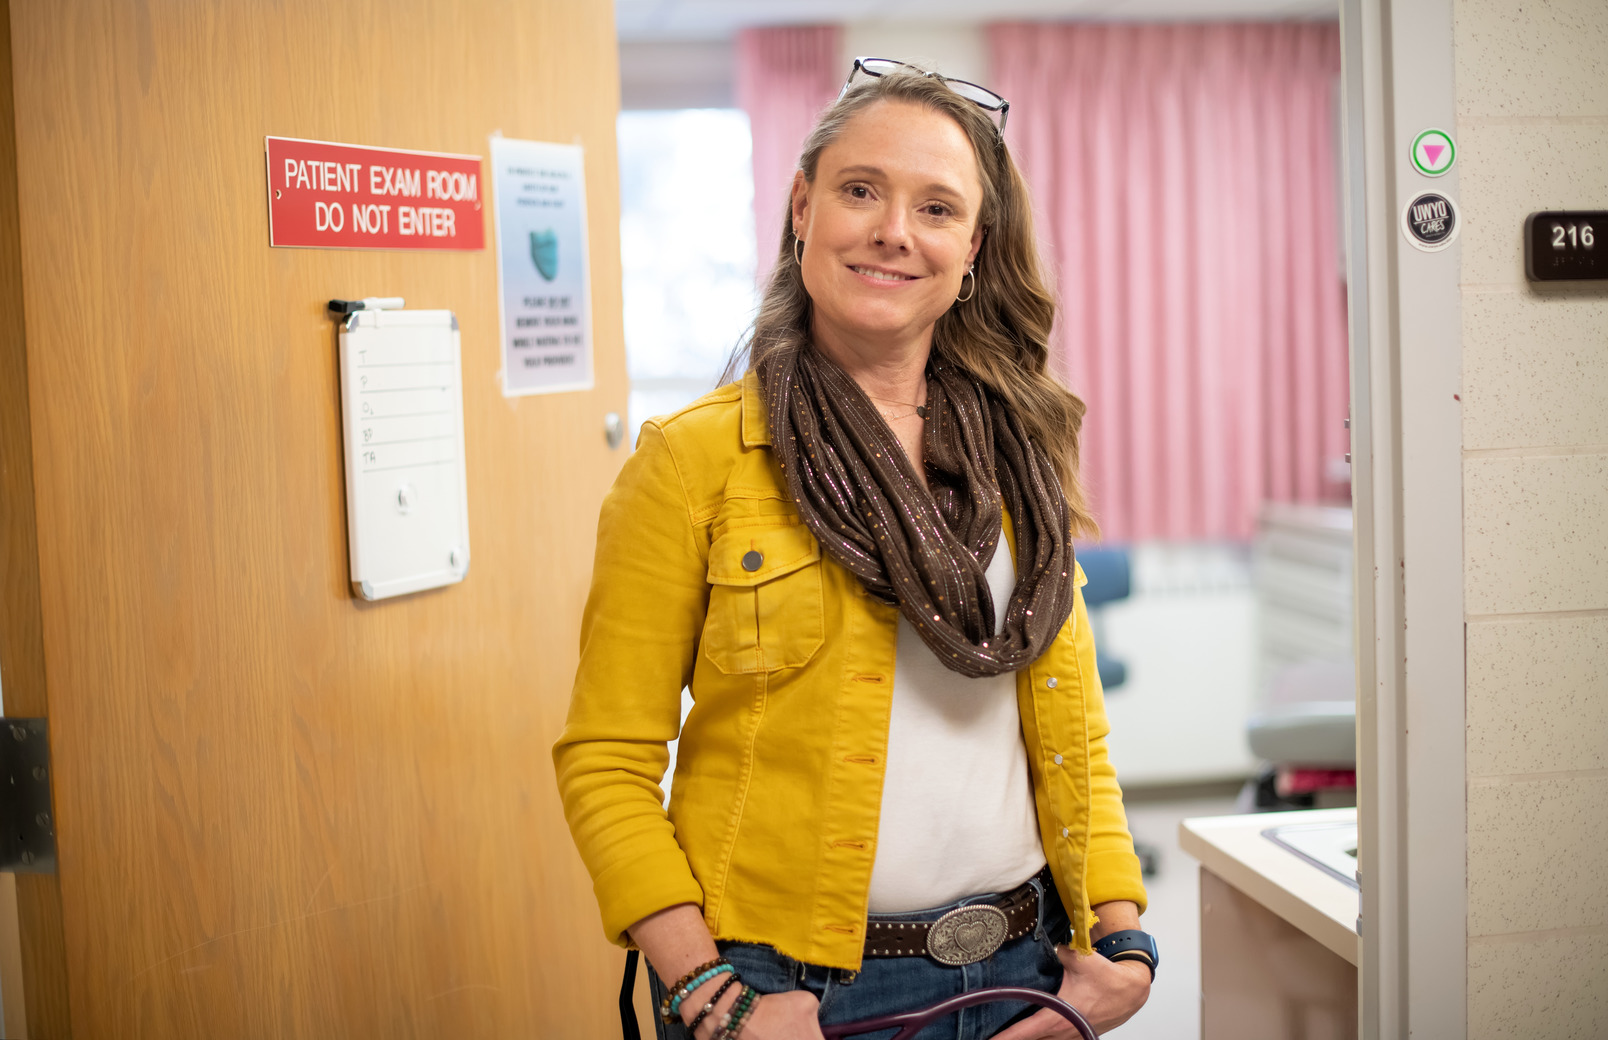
772,825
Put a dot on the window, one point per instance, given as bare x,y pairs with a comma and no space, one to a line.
687,251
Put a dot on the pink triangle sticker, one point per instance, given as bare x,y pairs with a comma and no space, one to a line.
1433,151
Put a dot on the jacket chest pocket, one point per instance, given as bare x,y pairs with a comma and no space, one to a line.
766,605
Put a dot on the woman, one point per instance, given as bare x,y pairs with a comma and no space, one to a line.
888,790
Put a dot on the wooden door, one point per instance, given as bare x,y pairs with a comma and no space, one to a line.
282,812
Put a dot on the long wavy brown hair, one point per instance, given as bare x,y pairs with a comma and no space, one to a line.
1001,333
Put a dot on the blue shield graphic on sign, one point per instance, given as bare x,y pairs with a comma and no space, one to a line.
544,251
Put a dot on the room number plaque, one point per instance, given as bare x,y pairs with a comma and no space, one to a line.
1566,246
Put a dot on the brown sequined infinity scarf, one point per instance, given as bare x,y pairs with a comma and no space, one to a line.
927,550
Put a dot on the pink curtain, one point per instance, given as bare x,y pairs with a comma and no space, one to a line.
1184,179
785,76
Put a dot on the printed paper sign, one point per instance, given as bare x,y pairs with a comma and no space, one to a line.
543,273
347,196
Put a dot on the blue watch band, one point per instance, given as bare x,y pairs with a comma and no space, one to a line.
1130,945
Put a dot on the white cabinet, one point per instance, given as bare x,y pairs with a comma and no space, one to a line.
1303,585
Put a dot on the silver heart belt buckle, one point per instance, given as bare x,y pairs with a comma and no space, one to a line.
967,935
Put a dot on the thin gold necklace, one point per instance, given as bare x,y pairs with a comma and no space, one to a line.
919,409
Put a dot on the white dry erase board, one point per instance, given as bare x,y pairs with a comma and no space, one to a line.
407,502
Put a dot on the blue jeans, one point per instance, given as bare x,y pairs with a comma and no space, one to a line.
885,985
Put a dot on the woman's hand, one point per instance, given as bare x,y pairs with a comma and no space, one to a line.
675,940
1106,992
780,1016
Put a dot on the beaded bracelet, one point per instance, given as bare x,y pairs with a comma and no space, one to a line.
740,1023
681,986
732,1024
689,976
671,1005
721,992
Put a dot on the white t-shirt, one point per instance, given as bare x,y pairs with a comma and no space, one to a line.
957,802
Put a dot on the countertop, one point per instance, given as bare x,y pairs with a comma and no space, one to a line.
1308,897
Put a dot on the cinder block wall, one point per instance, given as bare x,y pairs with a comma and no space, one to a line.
1532,134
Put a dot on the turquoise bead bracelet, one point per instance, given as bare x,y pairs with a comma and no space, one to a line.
685,991
683,987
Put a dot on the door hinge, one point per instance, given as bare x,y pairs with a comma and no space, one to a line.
27,829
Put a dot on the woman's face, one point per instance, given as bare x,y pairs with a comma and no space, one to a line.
889,225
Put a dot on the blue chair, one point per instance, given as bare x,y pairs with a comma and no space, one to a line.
1110,578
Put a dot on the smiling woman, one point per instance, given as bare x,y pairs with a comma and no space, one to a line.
893,785
914,125
884,237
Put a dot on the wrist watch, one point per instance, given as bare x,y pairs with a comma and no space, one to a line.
1130,945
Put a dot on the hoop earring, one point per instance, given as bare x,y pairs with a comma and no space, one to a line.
963,299
798,250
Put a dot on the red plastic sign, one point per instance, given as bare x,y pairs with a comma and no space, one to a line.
346,196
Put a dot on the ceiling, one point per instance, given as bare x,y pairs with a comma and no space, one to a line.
656,20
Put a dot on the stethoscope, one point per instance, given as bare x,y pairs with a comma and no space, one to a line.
914,1021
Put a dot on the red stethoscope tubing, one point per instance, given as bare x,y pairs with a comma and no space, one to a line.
914,1021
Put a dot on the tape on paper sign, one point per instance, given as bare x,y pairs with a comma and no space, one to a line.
1431,221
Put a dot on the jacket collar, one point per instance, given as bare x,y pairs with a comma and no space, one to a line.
756,419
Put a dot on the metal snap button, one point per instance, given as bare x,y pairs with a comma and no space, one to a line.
1050,682
752,559
1057,759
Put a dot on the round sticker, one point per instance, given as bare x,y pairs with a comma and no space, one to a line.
1433,152
1430,221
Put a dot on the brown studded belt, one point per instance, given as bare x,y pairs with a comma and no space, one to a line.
964,935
